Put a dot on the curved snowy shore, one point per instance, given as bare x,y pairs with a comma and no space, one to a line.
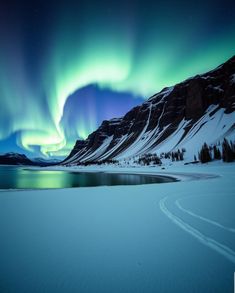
177,171
140,238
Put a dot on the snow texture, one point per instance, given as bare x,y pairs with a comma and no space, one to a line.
174,237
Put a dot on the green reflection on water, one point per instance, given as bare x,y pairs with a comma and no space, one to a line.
20,178
41,179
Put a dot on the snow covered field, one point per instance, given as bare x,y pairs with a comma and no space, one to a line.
174,237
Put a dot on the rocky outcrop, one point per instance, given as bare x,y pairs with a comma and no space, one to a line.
151,123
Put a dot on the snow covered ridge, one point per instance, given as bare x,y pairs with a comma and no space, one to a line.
14,159
21,159
200,109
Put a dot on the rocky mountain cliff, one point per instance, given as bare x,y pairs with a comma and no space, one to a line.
197,110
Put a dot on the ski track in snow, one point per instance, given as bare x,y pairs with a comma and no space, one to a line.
212,222
222,249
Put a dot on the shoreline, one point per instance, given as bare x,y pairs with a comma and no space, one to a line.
176,174
171,178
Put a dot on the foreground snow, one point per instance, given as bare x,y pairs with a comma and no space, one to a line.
175,237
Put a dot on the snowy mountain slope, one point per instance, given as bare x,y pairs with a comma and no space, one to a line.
200,109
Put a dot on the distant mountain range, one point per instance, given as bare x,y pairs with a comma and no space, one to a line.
15,159
198,110
43,161
21,159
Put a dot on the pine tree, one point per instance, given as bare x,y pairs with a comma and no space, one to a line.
227,152
181,156
217,154
219,157
205,155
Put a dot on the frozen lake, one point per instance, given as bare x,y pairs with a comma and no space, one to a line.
23,178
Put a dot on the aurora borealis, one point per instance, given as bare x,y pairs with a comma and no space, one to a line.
67,65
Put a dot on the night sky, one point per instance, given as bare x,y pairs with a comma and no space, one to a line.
67,65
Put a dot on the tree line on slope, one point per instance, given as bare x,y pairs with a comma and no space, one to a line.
210,153
154,159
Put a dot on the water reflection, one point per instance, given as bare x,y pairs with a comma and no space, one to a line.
20,178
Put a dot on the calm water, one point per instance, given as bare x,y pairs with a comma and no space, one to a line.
23,178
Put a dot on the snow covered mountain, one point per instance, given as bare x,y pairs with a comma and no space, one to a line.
14,159
200,109
45,162
21,159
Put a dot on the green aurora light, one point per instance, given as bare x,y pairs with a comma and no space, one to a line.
133,50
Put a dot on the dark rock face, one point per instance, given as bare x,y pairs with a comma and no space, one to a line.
162,112
195,105
79,145
15,159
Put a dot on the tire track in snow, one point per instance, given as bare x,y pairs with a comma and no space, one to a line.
232,230
222,249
